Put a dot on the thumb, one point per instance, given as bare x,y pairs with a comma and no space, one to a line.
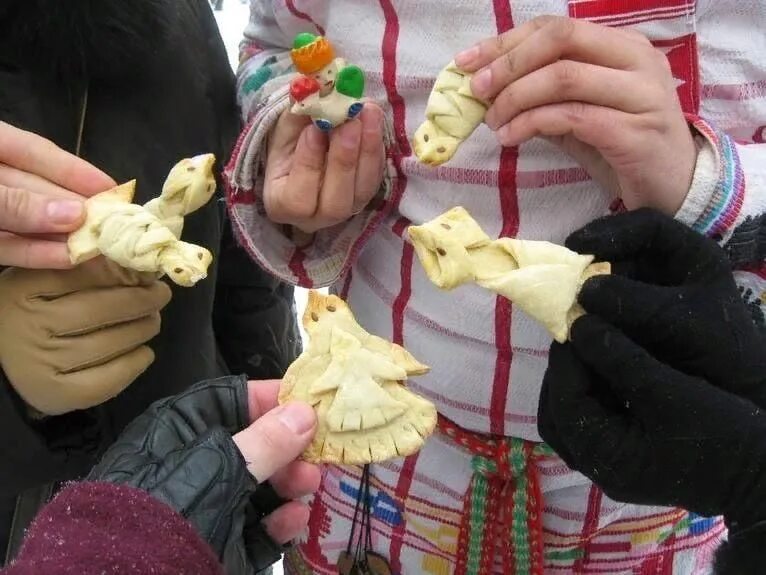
24,212
277,439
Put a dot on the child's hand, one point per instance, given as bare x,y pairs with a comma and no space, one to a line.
314,182
606,95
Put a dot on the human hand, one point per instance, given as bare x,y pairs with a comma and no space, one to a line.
648,434
181,452
314,181
72,339
673,293
42,189
605,95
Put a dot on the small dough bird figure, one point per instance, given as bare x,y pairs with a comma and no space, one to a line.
452,115
329,90
147,238
540,278
353,380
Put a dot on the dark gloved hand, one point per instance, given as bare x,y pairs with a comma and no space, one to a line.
672,292
181,452
648,434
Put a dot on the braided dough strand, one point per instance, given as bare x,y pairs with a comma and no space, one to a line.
146,238
452,115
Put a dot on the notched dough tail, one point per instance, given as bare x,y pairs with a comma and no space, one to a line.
364,416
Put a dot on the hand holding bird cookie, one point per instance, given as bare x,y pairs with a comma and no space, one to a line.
605,95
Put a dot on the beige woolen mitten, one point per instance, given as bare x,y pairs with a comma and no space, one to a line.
74,339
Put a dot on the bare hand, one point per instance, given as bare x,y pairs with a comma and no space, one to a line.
605,95
42,189
315,182
272,444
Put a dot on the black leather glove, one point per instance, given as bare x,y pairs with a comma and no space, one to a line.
181,452
673,293
648,434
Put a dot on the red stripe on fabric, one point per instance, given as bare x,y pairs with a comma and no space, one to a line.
596,8
389,57
509,209
590,525
302,15
346,285
298,268
400,494
653,16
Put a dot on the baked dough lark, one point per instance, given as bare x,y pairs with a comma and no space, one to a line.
354,381
147,238
540,278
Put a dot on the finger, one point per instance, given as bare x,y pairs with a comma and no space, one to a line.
32,253
263,396
653,243
298,479
287,522
276,439
14,178
31,153
99,383
286,133
80,353
567,80
337,197
627,369
561,39
603,128
369,173
296,198
90,311
22,211
625,303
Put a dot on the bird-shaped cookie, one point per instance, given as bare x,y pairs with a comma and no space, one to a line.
146,238
540,278
452,115
354,381
329,90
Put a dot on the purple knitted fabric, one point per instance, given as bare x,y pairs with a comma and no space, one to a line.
102,528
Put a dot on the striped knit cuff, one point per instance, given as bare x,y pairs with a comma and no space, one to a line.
276,249
718,187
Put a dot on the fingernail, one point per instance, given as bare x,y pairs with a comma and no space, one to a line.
315,139
350,136
481,83
372,120
64,212
298,417
505,137
467,56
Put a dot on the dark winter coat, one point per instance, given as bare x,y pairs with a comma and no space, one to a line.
159,88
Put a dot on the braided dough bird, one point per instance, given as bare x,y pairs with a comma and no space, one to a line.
452,115
541,278
354,381
147,238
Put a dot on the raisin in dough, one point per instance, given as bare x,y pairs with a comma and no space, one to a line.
354,381
541,278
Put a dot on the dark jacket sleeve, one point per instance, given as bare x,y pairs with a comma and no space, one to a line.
743,554
53,448
94,528
254,315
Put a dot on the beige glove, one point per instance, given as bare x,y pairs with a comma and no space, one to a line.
76,338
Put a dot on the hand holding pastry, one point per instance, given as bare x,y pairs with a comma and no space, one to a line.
42,190
605,95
